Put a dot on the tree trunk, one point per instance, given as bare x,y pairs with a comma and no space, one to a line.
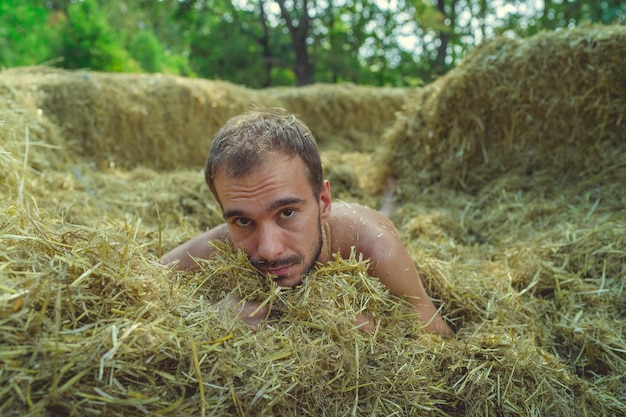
264,42
299,34
544,19
439,65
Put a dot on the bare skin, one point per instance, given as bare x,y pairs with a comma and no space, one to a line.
275,217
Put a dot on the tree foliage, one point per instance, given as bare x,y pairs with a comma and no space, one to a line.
261,43
90,42
28,33
146,49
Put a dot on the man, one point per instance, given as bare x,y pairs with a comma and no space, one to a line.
265,171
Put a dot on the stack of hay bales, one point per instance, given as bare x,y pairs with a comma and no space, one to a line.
528,269
345,117
556,101
166,122
162,122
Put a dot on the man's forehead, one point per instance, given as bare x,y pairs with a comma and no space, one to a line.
272,164
273,185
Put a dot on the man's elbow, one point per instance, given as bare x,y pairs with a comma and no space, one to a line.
177,262
439,326
171,263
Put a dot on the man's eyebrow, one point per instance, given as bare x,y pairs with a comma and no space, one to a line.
233,213
289,201
274,205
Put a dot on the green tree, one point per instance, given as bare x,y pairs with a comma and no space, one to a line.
28,33
88,41
274,42
568,13
146,49
148,31
260,43
221,45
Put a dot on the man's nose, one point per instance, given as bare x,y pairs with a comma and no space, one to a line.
269,242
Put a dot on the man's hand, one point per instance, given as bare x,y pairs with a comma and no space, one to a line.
252,313
365,323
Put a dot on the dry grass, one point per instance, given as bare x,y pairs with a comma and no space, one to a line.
527,263
517,106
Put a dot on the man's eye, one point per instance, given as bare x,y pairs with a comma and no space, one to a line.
242,222
287,213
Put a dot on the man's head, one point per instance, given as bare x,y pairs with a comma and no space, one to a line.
250,139
266,173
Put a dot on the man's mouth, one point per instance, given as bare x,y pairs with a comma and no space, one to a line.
282,274
280,268
279,272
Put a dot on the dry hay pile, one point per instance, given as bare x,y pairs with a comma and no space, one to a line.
345,117
167,122
20,118
91,326
519,106
530,270
510,173
131,119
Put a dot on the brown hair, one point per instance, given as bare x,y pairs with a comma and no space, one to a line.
245,141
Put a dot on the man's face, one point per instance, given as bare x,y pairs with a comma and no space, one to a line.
274,216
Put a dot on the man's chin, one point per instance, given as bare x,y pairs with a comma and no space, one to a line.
287,281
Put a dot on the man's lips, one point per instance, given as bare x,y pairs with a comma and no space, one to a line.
283,275
278,271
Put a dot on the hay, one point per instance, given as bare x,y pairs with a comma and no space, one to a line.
167,122
345,117
517,105
129,119
93,326
529,269
22,126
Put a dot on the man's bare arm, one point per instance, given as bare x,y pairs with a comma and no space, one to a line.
198,247
392,264
183,256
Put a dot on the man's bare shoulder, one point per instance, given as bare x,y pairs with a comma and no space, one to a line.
354,225
344,212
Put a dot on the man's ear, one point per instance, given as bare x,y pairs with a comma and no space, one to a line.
325,201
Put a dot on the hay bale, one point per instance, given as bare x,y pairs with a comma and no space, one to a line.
28,141
344,117
129,120
167,122
555,100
